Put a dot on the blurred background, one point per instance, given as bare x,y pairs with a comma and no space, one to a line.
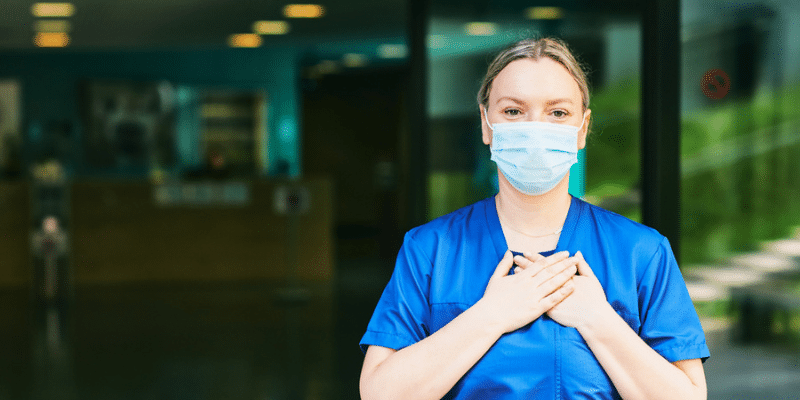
203,199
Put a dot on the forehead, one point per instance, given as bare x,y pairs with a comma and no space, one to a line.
533,80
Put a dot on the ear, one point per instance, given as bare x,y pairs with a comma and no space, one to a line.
486,133
585,130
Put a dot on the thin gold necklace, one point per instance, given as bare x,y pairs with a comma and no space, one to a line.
539,236
532,236
525,234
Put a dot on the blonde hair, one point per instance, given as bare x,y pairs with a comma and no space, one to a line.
535,49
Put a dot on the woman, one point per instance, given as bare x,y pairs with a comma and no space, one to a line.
532,293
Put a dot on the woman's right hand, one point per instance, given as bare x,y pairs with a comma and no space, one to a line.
513,301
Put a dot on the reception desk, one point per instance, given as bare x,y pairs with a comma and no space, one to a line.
129,232
15,230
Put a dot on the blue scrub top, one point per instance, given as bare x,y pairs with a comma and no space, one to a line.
444,266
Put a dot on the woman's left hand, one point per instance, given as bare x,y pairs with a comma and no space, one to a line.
587,302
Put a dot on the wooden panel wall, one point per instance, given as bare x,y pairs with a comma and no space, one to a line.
120,235
15,267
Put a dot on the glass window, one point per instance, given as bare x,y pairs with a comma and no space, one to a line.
740,147
462,42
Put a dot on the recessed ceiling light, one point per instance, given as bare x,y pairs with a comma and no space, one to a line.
52,25
392,51
51,39
53,10
303,11
480,28
271,27
437,41
354,60
244,40
327,67
544,12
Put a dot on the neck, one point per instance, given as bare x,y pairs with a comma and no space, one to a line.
533,215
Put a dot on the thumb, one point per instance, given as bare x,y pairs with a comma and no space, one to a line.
583,266
504,266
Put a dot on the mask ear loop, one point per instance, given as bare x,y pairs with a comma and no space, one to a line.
583,121
485,113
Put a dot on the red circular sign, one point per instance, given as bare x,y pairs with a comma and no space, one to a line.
715,84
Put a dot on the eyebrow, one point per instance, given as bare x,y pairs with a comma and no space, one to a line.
557,101
549,102
513,99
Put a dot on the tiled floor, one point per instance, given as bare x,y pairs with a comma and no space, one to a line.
250,341
243,341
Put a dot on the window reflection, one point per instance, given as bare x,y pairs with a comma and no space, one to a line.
459,46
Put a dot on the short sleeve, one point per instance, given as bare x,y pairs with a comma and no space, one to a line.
402,314
670,324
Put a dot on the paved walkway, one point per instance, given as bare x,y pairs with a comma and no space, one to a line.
752,373
737,371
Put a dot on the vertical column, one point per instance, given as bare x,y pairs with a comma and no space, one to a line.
285,149
416,143
661,118
52,361
50,212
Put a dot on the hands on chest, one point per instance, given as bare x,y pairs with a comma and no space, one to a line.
544,285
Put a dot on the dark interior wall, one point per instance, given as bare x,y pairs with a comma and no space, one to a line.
352,128
51,80
51,94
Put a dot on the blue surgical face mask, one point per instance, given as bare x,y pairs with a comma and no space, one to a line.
534,156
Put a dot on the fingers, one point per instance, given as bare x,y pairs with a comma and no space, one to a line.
553,299
534,257
535,263
558,279
583,266
504,266
523,262
548,271
527,260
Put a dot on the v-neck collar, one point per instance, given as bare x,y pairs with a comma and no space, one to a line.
496,230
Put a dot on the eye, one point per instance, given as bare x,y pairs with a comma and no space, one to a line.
512,112
560,113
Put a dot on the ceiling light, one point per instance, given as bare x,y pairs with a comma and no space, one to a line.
52,25
437,41
53,10
480,28
544,12
327,67
244,40
392,51
271,27
303,11
354,60
51,39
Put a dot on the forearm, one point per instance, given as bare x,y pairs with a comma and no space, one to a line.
429,368
637,371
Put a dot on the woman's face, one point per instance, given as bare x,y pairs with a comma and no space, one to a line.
535,90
